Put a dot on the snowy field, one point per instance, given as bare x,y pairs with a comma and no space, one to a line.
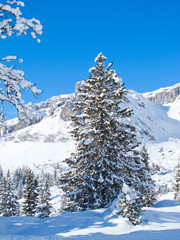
161,222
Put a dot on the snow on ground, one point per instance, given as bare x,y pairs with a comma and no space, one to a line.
165,155
153,119
37,146
161,222
38,156
174,109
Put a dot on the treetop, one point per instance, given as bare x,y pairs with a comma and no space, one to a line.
100,57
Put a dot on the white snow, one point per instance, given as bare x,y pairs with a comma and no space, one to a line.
152,118
100,56
161,222
20,25
165,155
174,109
38,145
38,156
8,58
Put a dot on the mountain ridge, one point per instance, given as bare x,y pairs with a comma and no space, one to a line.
164,95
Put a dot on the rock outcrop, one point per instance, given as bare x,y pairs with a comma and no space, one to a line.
164,95
67,112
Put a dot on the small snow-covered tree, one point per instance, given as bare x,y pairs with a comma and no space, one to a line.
106,143
177,182
9,205
44,197
19,189
138,189
30,195
12,81
147,183
1,174
130,204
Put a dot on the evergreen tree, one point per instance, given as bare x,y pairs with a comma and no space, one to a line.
1,174
105,155
20,189
130,204
44,206
8,175
3,185
138,189
9,205
148,185
177,182
30,194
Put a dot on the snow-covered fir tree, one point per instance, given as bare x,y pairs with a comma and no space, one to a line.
105,142
138,188
19,189
177,183
130,204
1,174
44,197
9,205
8,174
30,195
145,177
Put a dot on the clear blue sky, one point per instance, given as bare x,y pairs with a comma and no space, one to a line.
141,38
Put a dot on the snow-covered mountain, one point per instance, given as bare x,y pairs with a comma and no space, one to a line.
170,97
46,139
164,95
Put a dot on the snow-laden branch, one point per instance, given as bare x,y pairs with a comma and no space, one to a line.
12,81
12,22
13,84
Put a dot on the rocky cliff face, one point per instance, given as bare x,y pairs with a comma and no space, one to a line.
61,105
164,95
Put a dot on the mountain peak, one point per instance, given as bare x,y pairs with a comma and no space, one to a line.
164,95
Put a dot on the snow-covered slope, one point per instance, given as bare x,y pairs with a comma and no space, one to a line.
152,120
39,145
160,222
174,109
170,97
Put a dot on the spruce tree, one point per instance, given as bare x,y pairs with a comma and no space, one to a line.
130,204
30,195
19,189
9,205
1,174
138,189
105,142
3,191
177,182
44,197
147,183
